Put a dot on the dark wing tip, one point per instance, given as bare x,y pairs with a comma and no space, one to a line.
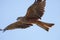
52,24
0,29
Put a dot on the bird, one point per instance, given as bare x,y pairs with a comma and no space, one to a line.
33,16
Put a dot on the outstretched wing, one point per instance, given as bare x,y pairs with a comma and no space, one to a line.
16,25
36,10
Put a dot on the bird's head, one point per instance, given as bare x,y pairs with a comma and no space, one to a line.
19,18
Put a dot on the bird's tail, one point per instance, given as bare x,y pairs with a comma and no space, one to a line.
44,25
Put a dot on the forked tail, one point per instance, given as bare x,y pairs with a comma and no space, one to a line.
44,25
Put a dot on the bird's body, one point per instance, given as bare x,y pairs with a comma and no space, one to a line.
34,13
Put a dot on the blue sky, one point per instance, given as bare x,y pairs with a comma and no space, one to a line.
11,9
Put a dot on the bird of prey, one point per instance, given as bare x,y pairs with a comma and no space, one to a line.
34,13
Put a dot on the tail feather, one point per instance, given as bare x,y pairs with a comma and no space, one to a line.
44,25
48,24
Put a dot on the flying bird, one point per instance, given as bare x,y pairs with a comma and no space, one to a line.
34,13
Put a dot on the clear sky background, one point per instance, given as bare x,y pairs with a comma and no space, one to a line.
11,9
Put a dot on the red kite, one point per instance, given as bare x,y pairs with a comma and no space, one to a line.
34,13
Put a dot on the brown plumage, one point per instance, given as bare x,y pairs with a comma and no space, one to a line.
34,13
36,10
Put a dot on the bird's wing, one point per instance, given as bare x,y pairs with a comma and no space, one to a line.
16,25
36,10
